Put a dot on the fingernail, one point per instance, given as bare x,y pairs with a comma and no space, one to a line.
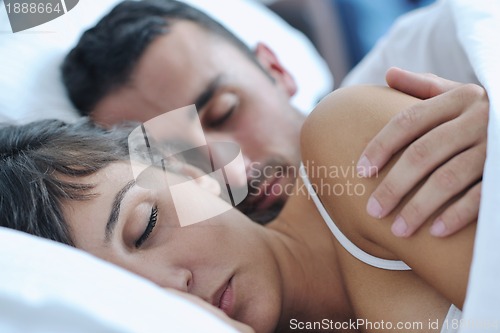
373,208
399,227
363,167
438,228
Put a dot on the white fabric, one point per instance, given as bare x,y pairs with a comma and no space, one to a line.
424,40
49,287
478,29
30,86
393,265
4,118
453,316
458,39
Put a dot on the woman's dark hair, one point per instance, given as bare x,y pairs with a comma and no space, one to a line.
106,55
40,166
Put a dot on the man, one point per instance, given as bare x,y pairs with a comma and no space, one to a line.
149,57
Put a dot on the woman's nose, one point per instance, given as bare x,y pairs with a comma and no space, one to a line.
180,279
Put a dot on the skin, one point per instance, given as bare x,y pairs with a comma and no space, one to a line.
186,259
448,131
259,261
245,100
216,312
433,260
267,127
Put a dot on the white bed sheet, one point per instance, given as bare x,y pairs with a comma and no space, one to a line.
458,40
50,287
478,26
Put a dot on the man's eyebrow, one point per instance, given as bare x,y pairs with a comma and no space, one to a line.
115,209
209,92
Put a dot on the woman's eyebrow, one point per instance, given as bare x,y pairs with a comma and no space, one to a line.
115,210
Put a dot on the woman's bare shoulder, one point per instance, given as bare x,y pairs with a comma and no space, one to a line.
332,140
358,102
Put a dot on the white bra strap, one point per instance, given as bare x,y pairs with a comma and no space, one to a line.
395,265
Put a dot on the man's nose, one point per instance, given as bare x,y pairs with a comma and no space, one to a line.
229,157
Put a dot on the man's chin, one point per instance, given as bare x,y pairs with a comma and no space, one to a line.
262,216
266,216
267,187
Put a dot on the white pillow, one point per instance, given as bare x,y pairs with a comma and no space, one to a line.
61,289
30,86
50,287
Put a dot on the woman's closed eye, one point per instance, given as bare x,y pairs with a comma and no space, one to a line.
153,218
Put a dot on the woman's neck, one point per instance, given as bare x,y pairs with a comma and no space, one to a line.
313,287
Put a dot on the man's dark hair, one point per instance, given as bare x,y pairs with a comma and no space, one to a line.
40,167
106,55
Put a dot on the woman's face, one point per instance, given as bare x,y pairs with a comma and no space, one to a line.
225,260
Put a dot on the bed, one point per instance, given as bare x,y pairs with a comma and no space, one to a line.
37,275
62,289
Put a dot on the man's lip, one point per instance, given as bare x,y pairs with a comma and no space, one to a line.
223,298
267,196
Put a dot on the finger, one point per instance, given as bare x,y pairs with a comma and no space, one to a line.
449,180
458,215
406,126
421,158
420,85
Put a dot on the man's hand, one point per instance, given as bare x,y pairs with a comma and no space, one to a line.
446,134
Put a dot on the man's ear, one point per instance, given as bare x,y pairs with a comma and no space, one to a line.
271,64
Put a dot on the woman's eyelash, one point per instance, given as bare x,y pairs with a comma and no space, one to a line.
149,228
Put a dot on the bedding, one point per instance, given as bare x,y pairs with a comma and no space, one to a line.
50,287
29,89
30,86
61,289
424,40
458,40
478,24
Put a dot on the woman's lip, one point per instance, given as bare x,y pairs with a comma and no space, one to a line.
226,298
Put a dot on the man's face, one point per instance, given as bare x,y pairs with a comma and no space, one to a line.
236,102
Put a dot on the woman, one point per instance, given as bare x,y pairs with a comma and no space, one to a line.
293,274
